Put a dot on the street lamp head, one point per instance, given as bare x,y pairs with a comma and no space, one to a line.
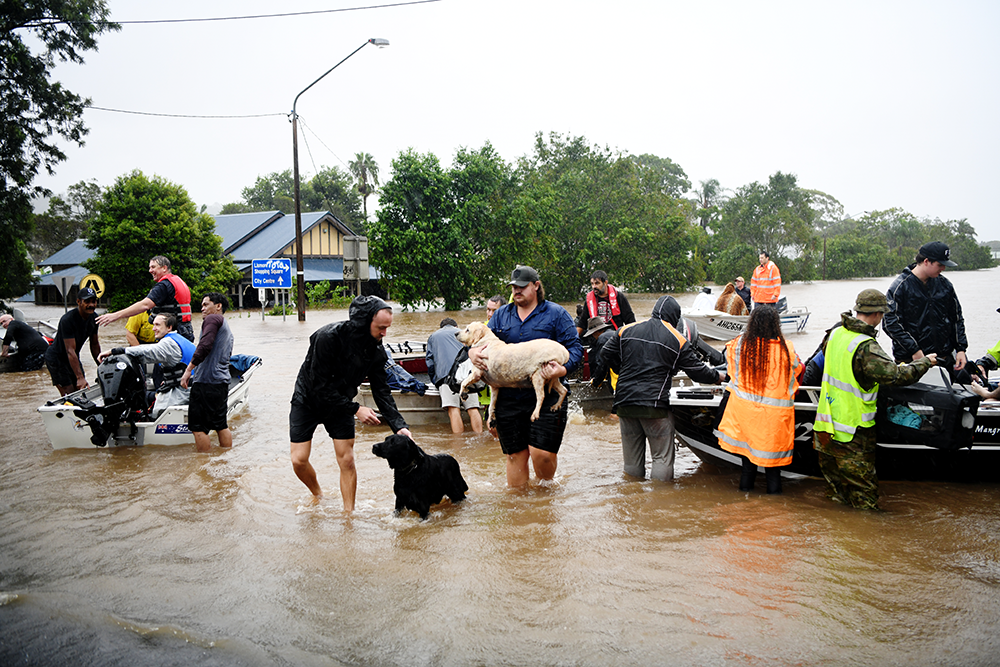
379,42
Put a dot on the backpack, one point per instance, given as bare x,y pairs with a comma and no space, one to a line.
461,369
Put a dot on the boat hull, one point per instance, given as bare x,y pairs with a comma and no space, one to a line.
898,455
723,326
67,427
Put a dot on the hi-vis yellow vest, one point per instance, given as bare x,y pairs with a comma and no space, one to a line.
843,404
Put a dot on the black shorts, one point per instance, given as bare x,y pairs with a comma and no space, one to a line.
209,403
58,365
516,430
302,423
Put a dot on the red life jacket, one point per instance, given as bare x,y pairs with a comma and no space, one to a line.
182,299
612,299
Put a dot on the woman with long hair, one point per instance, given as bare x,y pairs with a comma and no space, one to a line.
758,424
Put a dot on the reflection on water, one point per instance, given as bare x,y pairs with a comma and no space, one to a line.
164,556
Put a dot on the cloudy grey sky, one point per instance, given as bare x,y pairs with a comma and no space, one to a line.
879,104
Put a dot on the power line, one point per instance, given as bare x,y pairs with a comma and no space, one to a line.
253,16
178,115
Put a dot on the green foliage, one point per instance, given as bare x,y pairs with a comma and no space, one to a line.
140,218
324,294
422,252
66,220
34,109
364,169
775,217
282,310
709,199
331,189
736,260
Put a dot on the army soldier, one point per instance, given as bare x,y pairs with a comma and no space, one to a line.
855,366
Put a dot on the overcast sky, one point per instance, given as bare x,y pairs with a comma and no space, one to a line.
879,104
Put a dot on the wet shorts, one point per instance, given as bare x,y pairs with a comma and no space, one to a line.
58,365
516,430
302,423
450,399
209,403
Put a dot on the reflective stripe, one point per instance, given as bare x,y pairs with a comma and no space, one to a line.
867,396
759,453
764,400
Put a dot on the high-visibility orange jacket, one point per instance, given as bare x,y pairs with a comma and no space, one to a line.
761,426
765,285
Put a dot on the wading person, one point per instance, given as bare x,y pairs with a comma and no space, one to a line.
765,284
340,356
530,317
208,375
31,345
924,314
758,423
646,356
75,328
171,352
442,350
844,433
606,302
170,294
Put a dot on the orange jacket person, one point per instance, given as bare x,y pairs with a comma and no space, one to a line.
759,419
765,285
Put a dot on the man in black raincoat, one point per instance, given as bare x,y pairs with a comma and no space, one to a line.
340,356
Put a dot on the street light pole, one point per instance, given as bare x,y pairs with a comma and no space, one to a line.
299,271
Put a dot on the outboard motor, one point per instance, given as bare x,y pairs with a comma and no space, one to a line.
124,388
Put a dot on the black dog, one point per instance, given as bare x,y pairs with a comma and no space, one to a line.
421,479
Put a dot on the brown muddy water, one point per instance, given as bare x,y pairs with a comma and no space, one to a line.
162,556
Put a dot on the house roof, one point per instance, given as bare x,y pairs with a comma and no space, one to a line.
280,232
75,253
237,228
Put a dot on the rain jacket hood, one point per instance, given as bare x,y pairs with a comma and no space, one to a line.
668,309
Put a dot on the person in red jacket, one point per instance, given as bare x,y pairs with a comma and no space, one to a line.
606,302
170,294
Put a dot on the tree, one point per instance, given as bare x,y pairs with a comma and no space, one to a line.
143,217
34,108
710,196
775,217
329,190
661,174
363,167
422,253
66,220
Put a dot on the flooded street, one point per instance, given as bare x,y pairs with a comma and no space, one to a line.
162,556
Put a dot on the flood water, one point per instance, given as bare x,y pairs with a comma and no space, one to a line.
162,556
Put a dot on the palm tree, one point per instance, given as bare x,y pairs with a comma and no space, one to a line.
364,167
710,198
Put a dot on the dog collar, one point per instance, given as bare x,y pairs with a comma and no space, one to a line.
410,468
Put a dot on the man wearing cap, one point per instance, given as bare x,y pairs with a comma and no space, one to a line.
530,317
742,290
606,302
63,356
170,294
844,432
340,356
31,345
924,314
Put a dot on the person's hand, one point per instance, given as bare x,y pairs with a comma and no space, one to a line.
479,356
919,354
722,377
186,378
960,361
553,369
81,383
933,357
406,432
106,318
102,356
367,416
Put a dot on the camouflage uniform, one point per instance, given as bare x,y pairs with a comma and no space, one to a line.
849,467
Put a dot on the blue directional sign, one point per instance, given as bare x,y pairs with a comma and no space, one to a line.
272,273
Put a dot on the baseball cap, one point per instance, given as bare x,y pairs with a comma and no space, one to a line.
86,293
871,301
937,252
523,275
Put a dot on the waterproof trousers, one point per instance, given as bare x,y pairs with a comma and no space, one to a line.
636,432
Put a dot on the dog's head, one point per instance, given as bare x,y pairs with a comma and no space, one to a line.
473,333
399,451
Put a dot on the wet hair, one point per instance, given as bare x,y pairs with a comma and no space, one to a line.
218,298
448,322
160,260
599,275
541,292
766,254
169,319
497,299
763,327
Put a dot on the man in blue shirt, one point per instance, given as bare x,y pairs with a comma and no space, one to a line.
530,317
